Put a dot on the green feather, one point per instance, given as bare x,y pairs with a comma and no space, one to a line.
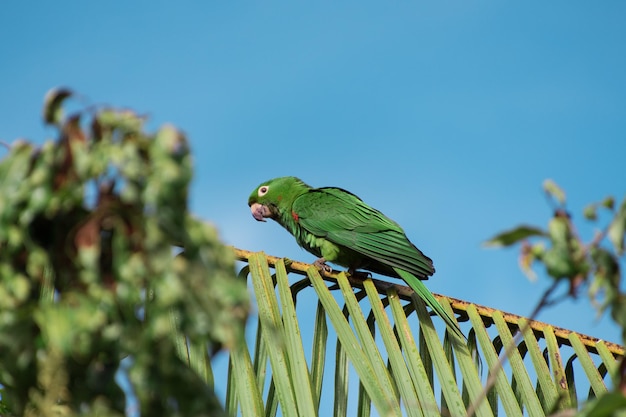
344,219
430,300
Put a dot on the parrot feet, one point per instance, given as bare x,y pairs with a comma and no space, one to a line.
321,264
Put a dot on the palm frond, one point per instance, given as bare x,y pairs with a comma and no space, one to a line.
346,345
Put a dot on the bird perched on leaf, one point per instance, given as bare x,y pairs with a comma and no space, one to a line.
338,227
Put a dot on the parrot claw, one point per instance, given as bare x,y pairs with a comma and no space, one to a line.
321,264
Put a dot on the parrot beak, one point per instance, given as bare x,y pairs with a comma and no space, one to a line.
260,212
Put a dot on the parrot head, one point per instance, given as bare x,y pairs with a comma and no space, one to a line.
274,197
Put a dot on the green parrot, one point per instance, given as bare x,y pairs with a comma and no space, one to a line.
338,227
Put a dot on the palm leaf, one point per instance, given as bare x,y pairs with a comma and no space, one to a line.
367,350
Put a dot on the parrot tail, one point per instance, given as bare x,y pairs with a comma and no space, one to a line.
430,300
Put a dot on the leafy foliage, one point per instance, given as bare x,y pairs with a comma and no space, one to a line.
89,275
565,255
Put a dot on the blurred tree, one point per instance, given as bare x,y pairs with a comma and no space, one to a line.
89,275
594,264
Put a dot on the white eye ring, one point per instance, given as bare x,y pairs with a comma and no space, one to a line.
263,190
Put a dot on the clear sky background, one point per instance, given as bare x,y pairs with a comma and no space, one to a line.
447,116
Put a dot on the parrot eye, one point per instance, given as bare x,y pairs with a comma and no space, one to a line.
263,190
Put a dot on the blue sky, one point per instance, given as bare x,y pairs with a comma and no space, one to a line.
447,116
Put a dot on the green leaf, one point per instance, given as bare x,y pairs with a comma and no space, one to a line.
244,384
273,333
559,263
550,395
606,277
591,212
126,121
340,406
556,366
318,354
554,191
298,371
611,362
368,368
618,312
443,369
607,405
589,367
513,236
608,202
468,369
368,344
559,230
524,385
502,386
398,364
419,375
617,229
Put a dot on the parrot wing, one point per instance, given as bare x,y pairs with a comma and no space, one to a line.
344,219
